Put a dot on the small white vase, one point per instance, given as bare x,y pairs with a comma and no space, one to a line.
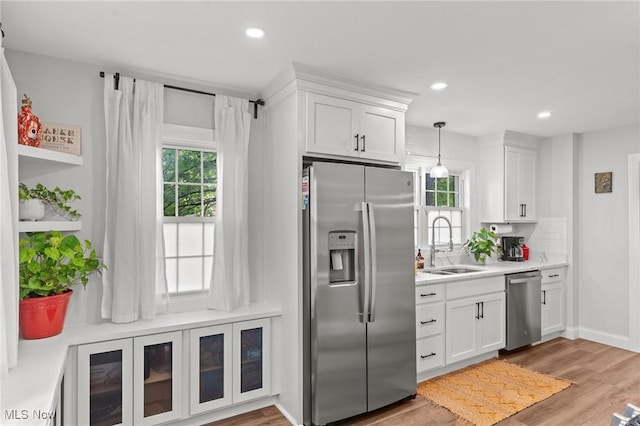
31,210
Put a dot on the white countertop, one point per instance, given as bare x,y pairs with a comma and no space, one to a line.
31,387
490,269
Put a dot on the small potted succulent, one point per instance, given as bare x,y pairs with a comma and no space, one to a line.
50,263
482,244
33,202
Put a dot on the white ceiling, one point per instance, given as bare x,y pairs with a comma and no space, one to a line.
504,61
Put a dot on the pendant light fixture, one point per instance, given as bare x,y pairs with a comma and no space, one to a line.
439,171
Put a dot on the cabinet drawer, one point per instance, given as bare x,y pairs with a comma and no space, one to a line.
430,293
553,275
475,287
429,319
430,353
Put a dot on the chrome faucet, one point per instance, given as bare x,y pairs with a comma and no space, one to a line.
433,238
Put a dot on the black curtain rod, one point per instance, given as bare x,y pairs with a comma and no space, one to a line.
116,79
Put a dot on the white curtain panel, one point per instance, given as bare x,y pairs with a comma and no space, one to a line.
8,220
230,277
134,285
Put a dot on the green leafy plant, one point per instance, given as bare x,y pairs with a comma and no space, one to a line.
482,244
57,198
50,263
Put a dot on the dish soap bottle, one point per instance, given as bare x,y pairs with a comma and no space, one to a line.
420,260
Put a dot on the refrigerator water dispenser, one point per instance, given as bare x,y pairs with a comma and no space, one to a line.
342,257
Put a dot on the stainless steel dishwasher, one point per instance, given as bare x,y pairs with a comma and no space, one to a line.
524,309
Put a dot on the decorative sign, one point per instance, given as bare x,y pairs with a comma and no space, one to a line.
604,182
61,137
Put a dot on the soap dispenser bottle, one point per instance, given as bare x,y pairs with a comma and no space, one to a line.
420,260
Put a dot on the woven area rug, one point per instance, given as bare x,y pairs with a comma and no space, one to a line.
491,391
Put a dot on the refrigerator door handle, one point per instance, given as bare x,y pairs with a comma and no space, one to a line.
367,259
372,252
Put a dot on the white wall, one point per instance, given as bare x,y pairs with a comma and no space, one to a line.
556,231
603,277
69,92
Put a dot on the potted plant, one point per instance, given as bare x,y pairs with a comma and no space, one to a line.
482,243
50,263
33,202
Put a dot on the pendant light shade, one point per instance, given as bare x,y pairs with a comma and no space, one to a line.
439,171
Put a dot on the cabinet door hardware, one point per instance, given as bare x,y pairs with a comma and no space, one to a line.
363,143
525,210
428,295
544,297
553,275
357,142
482,305
477,310
428,356
428,322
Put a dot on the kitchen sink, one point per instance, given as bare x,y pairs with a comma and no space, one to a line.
452,270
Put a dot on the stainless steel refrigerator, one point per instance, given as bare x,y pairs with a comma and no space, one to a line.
359,290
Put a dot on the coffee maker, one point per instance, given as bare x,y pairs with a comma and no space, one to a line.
512,249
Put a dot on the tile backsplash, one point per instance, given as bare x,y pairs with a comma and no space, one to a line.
549,236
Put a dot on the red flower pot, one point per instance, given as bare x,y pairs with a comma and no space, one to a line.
43,316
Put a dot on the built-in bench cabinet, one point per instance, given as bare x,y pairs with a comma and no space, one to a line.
552,299
476,315
143,380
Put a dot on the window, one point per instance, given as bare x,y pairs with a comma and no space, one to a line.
189,206
438,197
442,198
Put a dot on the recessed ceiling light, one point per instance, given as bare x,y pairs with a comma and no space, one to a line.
255,32
439,86
544,114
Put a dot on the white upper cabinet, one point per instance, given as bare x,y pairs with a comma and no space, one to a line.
520,184
333,117
508,167
346,128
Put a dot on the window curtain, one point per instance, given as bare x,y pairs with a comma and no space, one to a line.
134,285
229,287
8,219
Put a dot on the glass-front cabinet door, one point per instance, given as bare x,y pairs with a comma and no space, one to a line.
210,367
252,360
157,378
104,383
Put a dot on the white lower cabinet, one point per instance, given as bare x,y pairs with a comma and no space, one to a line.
140,380
475,324
229,364
430,326
552,299
105,391
130,381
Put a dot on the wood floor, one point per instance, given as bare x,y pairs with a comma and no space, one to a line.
604,380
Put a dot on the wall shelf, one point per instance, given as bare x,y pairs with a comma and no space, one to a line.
48,225
39,161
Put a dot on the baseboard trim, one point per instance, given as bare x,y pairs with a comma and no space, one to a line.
622,342
286,414
571,333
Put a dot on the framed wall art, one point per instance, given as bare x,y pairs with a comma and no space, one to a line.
603,182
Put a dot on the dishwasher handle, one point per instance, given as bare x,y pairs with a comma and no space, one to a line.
521,280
